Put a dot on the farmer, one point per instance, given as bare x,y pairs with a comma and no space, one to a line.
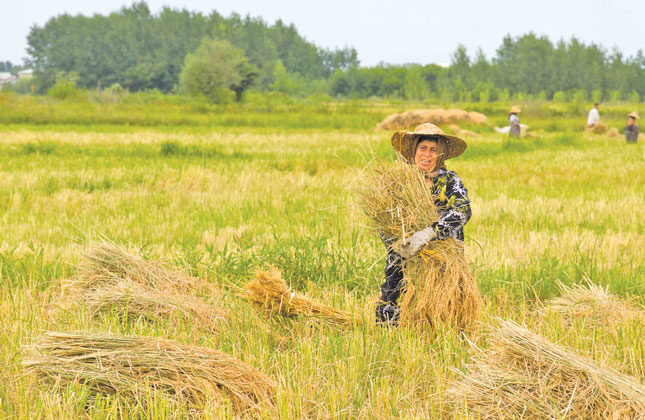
428,148
594,116
514,121
631,131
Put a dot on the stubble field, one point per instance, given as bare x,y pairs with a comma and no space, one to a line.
224,201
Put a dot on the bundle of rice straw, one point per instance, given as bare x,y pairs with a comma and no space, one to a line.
270,294
112,280
613,133
133,366
593,302
526,376
440,286
106,263
599,128
130,300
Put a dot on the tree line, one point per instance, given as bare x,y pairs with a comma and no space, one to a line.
138,50
524,66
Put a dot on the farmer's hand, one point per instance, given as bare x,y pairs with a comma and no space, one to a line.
414,243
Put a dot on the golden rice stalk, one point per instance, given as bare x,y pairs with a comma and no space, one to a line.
106,263
132,366
440,287
130,300
593,302
524,375
270,294
396,199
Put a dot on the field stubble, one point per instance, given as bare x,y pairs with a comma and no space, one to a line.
222,204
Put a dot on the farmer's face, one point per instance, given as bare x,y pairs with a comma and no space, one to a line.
426,155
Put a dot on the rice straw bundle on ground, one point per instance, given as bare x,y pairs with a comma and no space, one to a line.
128,299
593,302
132,366
112,280
412,118
106,263
526,376
271,295
599,128
613,133
440,287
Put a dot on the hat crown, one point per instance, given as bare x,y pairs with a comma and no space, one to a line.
428,129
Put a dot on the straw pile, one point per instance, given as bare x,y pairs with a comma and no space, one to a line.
106,263
440,287
594,303
599,128
129,300
271,295
410,119
526,376
133,366
110,280
613,133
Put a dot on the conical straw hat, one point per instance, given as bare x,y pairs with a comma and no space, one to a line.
515,110
634,115
405,142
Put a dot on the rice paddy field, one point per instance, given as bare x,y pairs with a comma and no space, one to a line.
223,192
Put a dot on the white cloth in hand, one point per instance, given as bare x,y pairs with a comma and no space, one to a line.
414,243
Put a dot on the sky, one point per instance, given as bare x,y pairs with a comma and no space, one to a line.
394,31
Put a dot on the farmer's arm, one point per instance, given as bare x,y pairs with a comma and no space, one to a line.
454,215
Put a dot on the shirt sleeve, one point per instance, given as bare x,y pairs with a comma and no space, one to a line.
456,213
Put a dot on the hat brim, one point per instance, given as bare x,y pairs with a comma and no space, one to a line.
405,142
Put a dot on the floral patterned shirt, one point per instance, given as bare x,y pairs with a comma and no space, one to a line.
453,206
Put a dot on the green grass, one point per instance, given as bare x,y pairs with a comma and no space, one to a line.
225,194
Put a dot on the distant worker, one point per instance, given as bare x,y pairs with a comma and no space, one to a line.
594,116
514,121
631,131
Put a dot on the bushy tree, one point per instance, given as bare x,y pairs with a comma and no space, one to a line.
216,70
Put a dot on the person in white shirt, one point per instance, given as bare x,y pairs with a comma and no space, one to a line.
594,116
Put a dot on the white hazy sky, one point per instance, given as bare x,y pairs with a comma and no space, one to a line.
395,31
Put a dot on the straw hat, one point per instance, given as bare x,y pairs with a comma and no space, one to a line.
634,115
405,142
515,110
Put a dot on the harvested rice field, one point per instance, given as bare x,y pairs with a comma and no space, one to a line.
134,259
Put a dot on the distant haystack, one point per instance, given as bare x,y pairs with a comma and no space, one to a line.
439,116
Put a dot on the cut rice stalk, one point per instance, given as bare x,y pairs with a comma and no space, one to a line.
524,375
132,366
270,294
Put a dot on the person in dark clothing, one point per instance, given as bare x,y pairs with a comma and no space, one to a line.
428,148
631,130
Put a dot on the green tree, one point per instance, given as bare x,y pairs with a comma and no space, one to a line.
415,85
281,80
215,71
